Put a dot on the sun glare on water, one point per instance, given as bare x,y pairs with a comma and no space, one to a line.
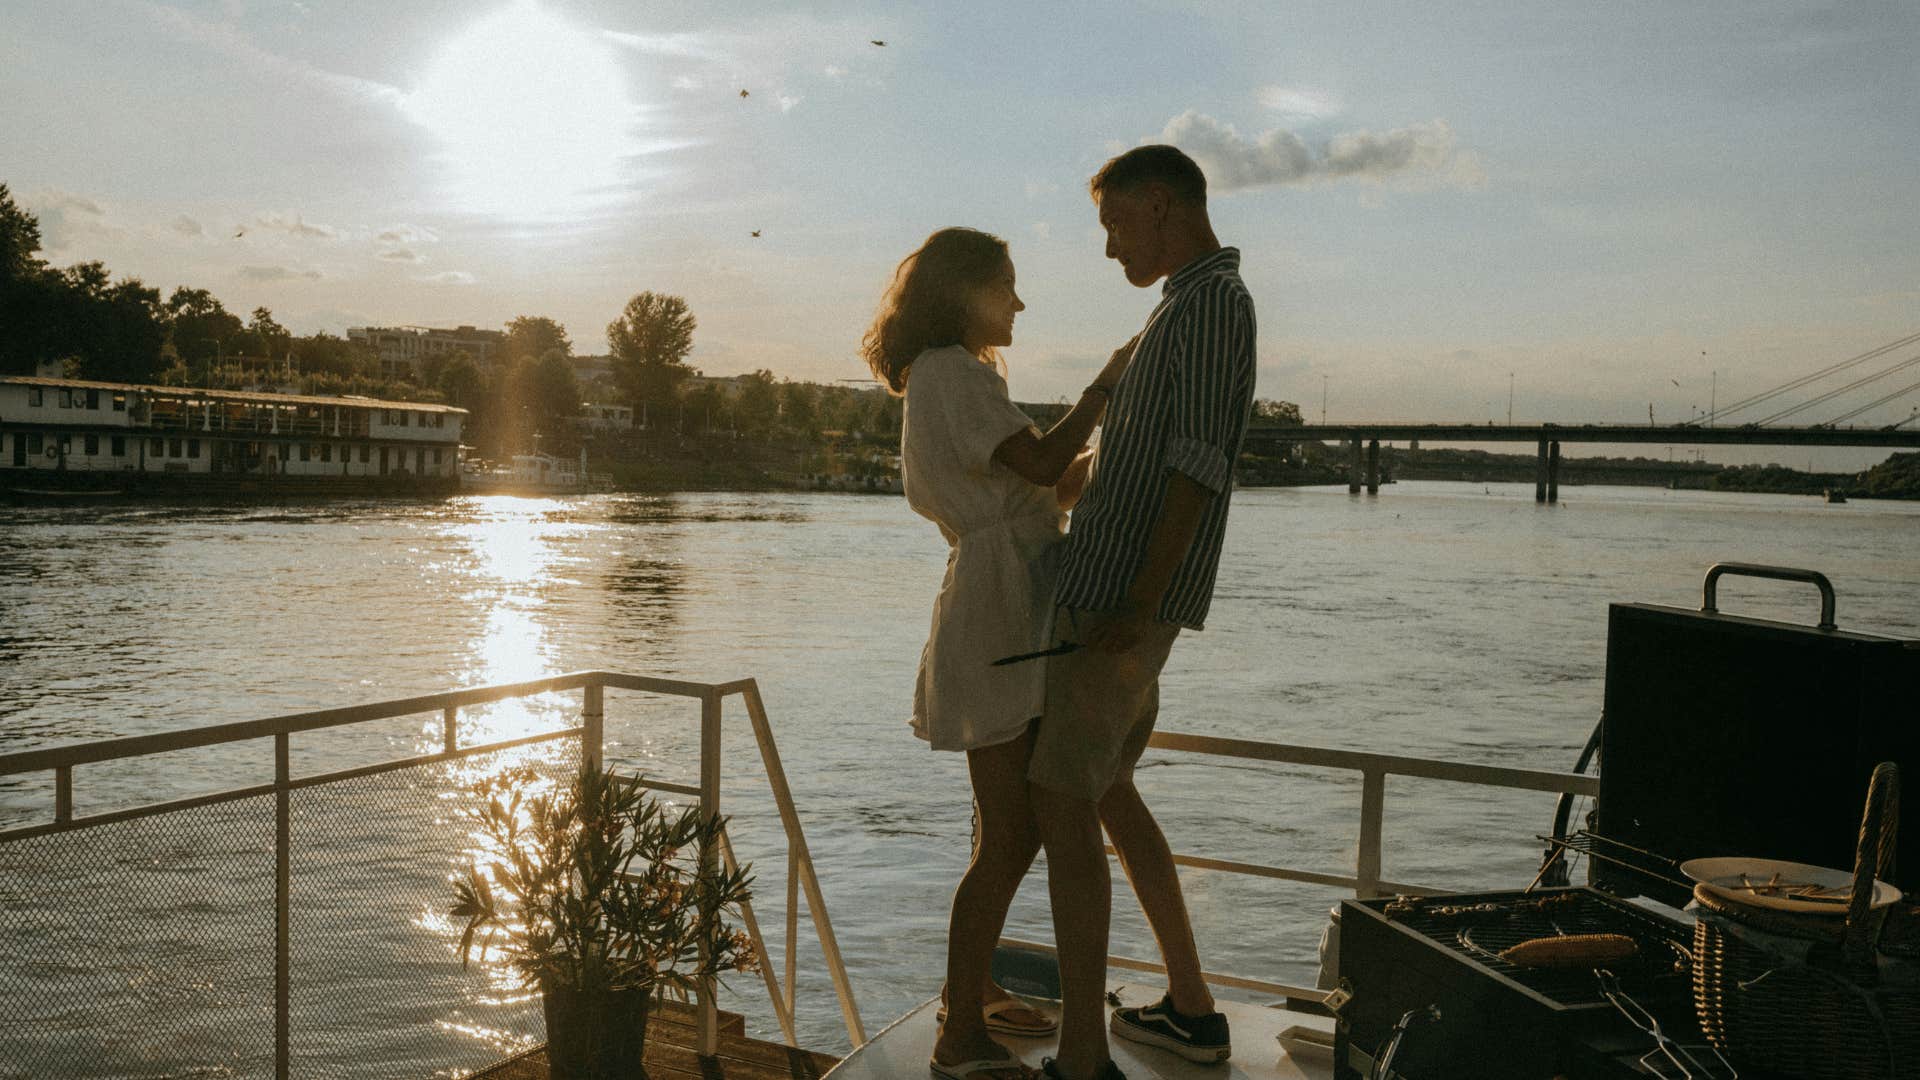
530,114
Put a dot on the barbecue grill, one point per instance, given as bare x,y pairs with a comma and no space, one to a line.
1722,735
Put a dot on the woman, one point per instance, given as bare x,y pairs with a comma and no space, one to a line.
999,490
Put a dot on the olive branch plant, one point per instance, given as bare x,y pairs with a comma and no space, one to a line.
596,886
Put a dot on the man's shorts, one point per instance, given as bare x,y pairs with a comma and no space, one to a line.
1100,708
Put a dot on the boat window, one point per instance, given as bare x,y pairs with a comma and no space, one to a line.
93,399
306,451
66,399
326,451
364,454
159,447
119,446
35,443
174,449
119,403
193,447
93,445
34,396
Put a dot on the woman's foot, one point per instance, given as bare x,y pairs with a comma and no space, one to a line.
1007,1014
969,1054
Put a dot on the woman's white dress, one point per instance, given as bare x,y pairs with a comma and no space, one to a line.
1004,535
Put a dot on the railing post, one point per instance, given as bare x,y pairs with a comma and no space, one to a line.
450,728
1373,803
282,905
710,706
593,720
63,794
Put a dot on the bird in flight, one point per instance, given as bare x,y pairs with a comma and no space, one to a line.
240,234
1675,382
882,44
743,93
756,233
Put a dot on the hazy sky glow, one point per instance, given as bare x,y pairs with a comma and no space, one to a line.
1602,200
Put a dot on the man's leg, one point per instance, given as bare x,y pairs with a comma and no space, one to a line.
1148,862
1082,893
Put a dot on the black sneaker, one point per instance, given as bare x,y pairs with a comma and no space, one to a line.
1109,1071
1200,1038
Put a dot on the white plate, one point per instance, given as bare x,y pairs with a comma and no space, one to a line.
1733,877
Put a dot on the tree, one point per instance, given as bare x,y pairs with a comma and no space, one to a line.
798,406
267,337
116,330
650,342
759,402
19,239
551,392
461,382
200,326
706,407
324,354
1269,411
531,337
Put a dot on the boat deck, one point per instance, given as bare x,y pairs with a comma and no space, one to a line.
903,1049
673,1054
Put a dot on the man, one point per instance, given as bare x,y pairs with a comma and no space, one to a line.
1140,563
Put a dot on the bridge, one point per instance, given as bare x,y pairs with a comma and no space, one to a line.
1707,429
1367,435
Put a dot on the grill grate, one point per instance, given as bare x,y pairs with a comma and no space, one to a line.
1481,930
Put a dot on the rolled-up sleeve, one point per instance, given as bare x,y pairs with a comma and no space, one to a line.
1212,386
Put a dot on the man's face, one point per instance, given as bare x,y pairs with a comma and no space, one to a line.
1132,220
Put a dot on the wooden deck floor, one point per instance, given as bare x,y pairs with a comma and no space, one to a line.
672,1041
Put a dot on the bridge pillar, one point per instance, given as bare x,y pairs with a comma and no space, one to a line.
1353,466
1540,475
1373,467
1553,472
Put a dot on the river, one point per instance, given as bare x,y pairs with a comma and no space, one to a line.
1450,620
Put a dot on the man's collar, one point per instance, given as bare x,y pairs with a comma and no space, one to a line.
1226,258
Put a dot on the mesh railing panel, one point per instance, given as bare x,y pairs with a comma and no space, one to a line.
145,948
378,988
142,948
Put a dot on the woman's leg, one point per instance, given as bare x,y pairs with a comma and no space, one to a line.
1006,847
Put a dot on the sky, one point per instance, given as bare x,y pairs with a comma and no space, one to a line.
1585,210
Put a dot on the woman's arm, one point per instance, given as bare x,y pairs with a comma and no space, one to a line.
1073,482
1042,460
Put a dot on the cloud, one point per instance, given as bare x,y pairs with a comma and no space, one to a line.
294,225
231,43
787,102
685,82
1299,102
448,277
696,46
834,71
1042,230
67,219
408,234
405,255
277,273
186,226
1234,162
1037,188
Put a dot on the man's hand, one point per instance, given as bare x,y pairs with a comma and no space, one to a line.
1128,627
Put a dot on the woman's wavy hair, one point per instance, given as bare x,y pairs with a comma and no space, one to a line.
929,302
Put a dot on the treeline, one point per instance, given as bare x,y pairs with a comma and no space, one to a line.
96,327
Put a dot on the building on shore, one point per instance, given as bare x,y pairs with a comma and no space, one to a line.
595,416
404,350
77,432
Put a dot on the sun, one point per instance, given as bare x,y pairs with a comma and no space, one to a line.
529,114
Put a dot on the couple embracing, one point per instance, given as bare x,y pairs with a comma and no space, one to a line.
1051,742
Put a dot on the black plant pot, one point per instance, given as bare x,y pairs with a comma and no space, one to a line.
596,1034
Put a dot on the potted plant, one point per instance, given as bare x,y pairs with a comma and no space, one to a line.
600,897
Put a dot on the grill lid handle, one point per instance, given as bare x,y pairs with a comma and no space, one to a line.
1778,573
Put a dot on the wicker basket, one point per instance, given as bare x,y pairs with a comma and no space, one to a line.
1844,1012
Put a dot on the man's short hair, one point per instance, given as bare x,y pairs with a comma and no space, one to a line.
1155,164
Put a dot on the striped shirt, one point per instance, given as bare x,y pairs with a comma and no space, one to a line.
1182,404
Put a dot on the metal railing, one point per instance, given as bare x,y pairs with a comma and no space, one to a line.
1366,879
18,897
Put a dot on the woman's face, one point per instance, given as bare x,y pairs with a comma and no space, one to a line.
992,310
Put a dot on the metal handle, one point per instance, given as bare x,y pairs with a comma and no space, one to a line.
1778,573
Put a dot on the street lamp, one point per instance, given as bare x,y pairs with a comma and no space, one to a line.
1509,399
1323,401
